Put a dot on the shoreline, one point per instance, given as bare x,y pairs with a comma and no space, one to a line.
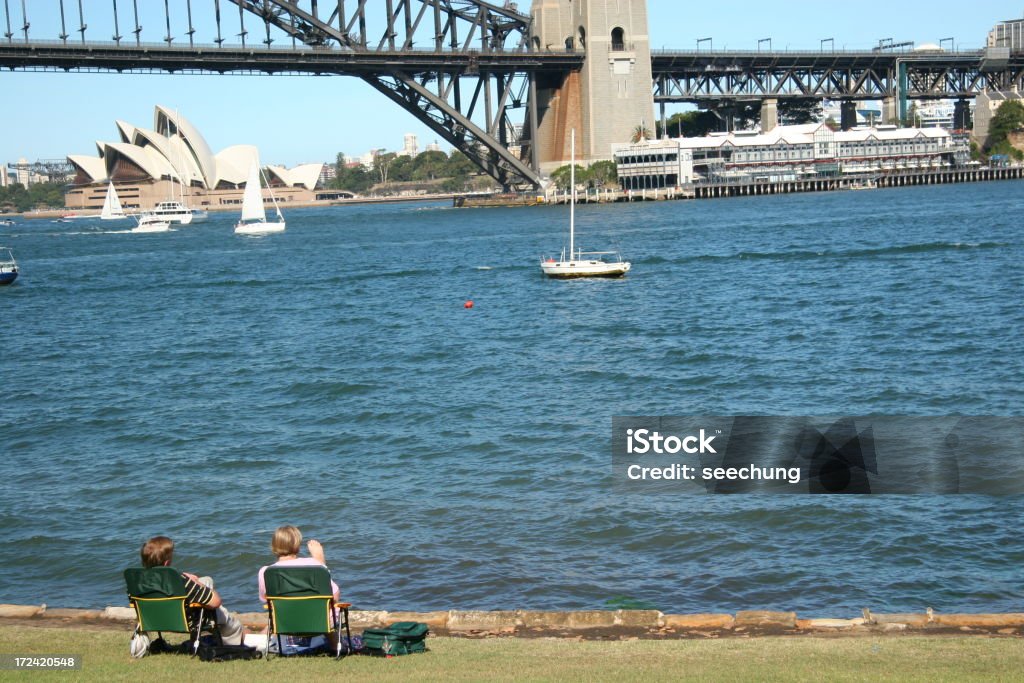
50,214
590,624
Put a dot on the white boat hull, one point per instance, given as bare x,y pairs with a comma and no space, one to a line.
259,228
566,270
153,226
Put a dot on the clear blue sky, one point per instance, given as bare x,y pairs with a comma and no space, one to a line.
297,119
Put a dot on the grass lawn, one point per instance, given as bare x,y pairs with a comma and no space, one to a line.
868,658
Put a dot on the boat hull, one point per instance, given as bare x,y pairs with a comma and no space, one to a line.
571,270
7,277
259,228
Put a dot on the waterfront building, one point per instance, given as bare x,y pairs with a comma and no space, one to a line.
785,153
172,160
985,106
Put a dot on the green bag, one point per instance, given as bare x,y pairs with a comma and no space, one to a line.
400,638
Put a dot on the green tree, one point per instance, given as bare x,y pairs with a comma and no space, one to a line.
801,110
561,176
641,132
1009,118
430,166
691,124
382,166
603,174
37,196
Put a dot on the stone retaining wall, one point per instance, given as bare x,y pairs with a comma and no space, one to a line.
596,623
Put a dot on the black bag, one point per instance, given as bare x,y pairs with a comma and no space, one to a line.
400,638
226,653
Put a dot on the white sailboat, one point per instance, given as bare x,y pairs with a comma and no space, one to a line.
576,266
254,215
112,210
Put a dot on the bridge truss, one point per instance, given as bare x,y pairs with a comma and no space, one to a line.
462,67
709,78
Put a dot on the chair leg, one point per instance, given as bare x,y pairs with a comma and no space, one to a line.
348,633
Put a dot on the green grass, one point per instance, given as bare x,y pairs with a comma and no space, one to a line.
867,658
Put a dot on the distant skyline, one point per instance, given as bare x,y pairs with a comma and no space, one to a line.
296,119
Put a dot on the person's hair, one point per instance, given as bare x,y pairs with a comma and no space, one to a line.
287,540
157,551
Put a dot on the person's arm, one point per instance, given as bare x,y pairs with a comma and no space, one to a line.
200,594
316,551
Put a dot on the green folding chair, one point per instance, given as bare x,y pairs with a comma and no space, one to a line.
300,602
160,598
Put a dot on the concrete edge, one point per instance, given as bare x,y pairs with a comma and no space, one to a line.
590,624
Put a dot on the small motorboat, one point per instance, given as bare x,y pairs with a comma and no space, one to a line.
8,267
6,221
148,222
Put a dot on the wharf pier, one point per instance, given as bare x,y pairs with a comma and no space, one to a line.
748,187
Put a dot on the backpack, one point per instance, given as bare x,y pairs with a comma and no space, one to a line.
226,653
400,638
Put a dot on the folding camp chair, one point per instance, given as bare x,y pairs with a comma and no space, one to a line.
160,598
300,602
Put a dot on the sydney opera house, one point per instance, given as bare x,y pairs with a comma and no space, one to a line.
149,166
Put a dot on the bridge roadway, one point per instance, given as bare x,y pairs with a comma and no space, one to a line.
55,55
702,77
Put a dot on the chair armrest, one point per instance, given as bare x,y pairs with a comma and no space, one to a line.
197,605
343,605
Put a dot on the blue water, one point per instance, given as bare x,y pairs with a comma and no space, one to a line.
212,387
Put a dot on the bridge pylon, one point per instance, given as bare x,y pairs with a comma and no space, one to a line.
610,98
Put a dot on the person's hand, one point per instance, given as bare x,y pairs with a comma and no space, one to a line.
316,551
191,576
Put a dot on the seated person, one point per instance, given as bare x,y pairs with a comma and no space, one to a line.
159,552
285,544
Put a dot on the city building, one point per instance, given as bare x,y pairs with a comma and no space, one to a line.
410,147
327,174
1007,34
786,153
434,147
985,106
171,160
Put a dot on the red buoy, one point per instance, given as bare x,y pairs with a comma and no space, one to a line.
468,304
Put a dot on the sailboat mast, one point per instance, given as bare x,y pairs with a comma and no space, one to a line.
572,186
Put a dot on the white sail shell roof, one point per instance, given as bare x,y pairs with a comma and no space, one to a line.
306,175
168,121
233,163
90,166
175,149
146,158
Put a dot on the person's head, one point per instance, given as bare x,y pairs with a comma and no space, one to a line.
157,552
287,540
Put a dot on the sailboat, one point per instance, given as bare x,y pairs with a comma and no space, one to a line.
112,210
577,266
254,215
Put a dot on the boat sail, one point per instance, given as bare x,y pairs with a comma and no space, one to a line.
254,215
112,206
576,266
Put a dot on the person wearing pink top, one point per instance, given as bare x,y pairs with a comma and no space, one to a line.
286,543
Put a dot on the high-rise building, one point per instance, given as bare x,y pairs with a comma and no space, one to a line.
411,146
1007,34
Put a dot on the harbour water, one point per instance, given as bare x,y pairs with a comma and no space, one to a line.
212,387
